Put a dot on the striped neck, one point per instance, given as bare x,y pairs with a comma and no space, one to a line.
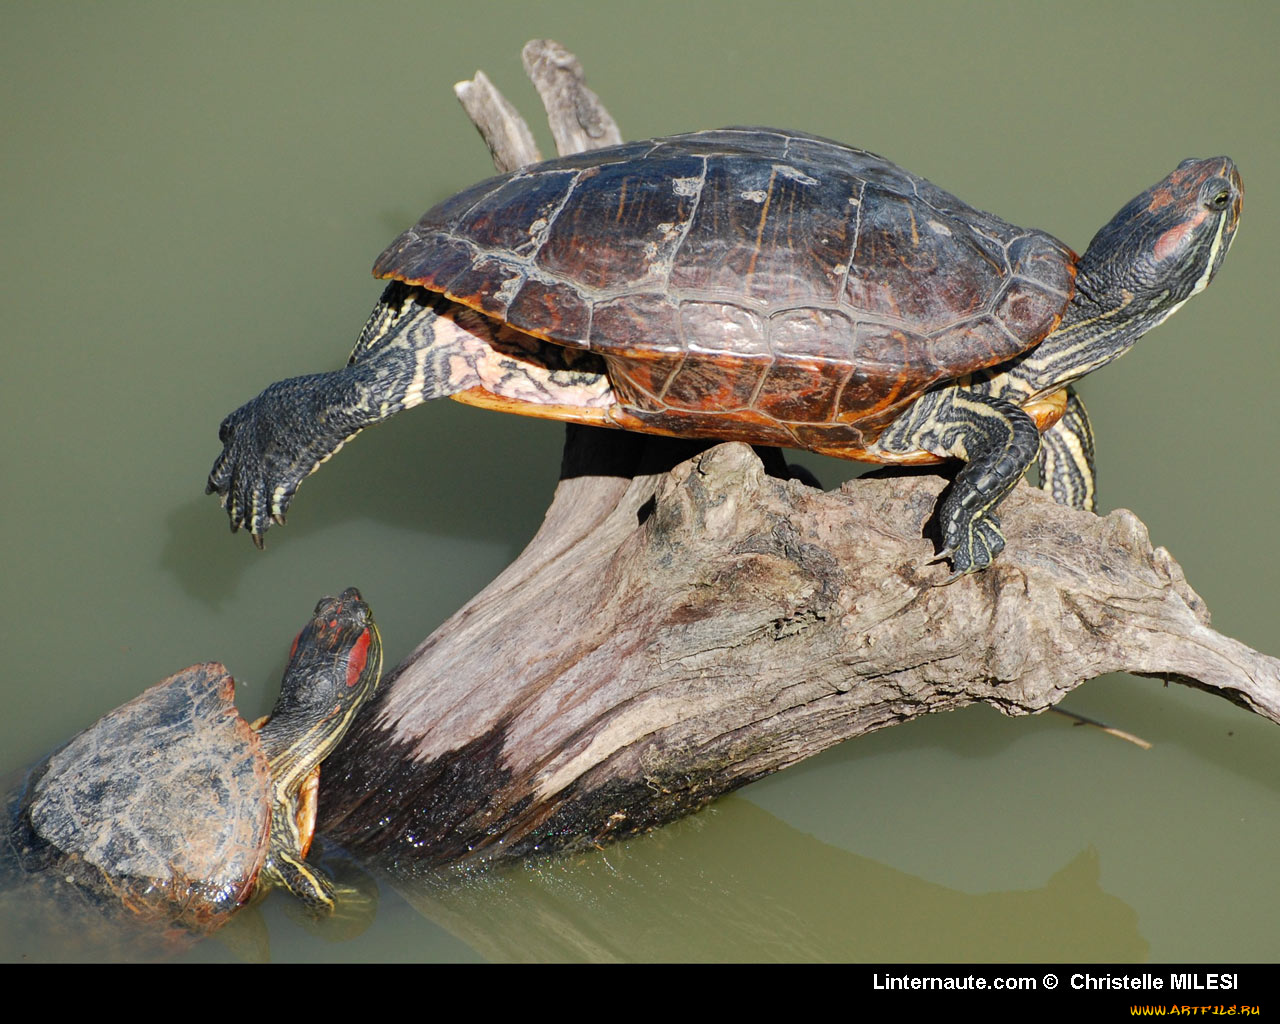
293,749
1090,335
1163,247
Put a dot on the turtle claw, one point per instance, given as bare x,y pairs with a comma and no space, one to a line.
264,458
970,542
941,556
971,546
948,554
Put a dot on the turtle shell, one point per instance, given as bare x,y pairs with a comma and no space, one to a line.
162,807
746,283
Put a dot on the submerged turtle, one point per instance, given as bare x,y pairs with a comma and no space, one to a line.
173,809
755,285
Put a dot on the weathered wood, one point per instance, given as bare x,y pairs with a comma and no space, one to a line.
578,120
500,125
684,623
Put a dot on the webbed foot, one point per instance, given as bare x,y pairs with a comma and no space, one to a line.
270,445
970,544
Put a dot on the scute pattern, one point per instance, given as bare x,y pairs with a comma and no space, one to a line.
746,274
163,803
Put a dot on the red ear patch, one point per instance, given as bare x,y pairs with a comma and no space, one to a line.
358,658
1173,241
294,649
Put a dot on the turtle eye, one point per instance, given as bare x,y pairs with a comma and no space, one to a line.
1217,195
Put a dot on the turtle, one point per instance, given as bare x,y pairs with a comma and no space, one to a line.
172,811
757,285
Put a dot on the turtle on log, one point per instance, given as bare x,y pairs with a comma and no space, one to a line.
756,285
171,812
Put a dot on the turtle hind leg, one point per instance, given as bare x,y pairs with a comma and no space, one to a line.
273,442
1066,458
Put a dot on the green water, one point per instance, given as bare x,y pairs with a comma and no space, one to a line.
192,197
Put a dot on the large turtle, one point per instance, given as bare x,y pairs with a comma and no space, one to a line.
756,285
174,810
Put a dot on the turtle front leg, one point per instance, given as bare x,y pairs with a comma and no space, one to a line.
1066,458
304,882
998,441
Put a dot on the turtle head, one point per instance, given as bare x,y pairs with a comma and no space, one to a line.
1167,243
334,666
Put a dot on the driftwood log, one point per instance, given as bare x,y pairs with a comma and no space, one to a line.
687,621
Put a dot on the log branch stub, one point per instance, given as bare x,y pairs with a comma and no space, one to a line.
578,120
504,131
